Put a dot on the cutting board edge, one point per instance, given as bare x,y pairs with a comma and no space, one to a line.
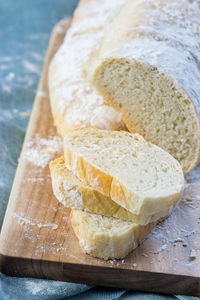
104,276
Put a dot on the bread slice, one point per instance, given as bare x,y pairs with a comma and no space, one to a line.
74,193
107,237
151,75
136,174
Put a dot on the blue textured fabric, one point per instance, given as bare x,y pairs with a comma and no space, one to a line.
25,27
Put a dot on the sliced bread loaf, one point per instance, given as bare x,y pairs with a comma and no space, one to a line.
149,71
74,193
136,174
107,237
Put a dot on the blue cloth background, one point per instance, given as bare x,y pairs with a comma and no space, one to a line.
25,27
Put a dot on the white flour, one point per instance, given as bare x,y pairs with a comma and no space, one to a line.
79,103
37,56
22,220
6,88
10,76
33,179
40,151
36,286
41,94
3,67
5,59
177,230
162,248
31,67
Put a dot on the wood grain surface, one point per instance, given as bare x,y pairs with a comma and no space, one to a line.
37,239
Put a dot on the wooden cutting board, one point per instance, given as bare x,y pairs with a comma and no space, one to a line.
37,239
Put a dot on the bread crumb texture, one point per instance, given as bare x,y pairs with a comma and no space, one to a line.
74,193
107,237
136,174
149,71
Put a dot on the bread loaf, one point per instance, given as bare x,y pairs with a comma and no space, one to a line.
135,64
149,70
107,237
74,103
74,193
136,174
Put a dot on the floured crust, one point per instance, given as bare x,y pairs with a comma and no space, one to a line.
74,193
148,59
107,237
74,103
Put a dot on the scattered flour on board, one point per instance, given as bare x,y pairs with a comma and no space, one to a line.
34,179
40,151
22,220
176,229
53,226
41,94
60,29
76,258
162,248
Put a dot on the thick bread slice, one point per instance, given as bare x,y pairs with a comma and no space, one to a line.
136,174
149,70
107,237
74,103
74,193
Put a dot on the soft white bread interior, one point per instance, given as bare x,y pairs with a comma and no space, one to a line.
149,70
74,193
136,174
74,103
107,237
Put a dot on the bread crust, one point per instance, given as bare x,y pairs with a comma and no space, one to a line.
74,193
113,188
150,42
74,103
107,244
